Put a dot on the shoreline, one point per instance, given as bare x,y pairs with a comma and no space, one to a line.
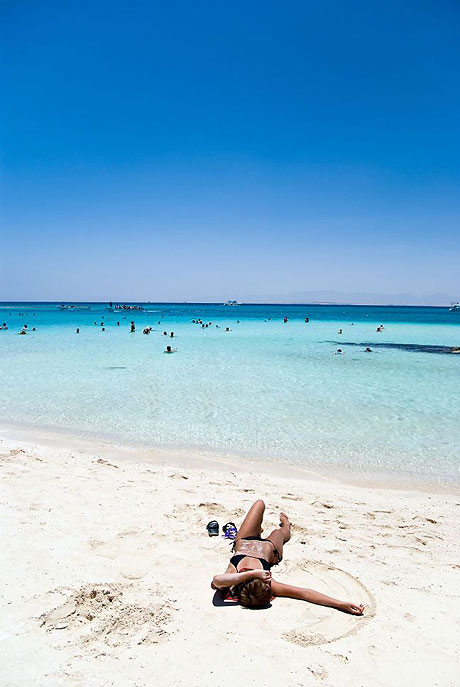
222,461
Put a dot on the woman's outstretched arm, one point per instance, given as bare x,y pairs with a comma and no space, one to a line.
280,589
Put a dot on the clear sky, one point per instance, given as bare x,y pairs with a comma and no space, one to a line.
181,150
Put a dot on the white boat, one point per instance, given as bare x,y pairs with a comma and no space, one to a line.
455,307
74,307
231,303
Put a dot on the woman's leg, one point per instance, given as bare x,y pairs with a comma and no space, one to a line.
252,523
282,535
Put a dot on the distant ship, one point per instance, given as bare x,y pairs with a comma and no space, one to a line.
126,307
455,307
69,306
231,303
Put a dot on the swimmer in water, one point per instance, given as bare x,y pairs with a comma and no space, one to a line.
338,352
170,350
77,331
368,350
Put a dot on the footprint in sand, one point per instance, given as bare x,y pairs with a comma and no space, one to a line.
16,451
322,504
63,677
215,509
299,533
196,514
108,614
320,625
127,546
318,671
102,461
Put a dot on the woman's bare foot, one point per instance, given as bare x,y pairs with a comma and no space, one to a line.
284,520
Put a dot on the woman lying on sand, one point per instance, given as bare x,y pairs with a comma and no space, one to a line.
248,575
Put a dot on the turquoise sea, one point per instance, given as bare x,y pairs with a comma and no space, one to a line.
266,389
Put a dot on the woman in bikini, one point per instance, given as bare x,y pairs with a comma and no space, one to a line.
248,575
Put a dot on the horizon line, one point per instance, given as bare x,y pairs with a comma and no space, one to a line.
250,303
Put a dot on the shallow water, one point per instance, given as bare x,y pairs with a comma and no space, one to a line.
266,388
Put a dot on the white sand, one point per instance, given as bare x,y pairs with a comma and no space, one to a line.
106,570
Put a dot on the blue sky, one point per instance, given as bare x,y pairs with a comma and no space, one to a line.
209,150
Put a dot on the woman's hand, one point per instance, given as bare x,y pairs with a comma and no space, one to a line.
354,609
264,575
230,579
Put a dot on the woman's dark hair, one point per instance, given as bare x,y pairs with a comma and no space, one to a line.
254,593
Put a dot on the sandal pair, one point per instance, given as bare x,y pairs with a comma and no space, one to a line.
229,529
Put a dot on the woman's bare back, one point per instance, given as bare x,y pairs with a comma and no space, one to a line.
256,549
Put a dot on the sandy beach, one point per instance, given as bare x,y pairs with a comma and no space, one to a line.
107,567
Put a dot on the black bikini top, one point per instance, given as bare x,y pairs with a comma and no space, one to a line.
234,560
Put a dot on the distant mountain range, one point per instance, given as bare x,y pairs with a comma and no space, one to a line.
357,298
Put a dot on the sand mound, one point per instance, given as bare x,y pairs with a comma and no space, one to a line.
103,613
319,625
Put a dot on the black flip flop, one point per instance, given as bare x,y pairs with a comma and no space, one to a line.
213,528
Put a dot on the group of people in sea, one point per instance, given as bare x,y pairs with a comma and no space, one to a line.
339,351
204,325
24,330
199,321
